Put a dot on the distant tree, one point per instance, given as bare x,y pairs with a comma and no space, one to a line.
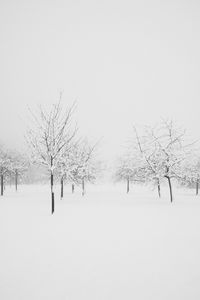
4,166
51,135
191,171
85,168
124,172
66,166
18,166
129,168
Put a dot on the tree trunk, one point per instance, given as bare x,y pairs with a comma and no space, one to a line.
10,180
128,183
197,187
16,180
159,194
61,182
83,186
52,194
1,184
52,191
52,200
72,188
170,188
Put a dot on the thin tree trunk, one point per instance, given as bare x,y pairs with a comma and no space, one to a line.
61,182
159,194
10,180
128,183
52,194
197,187
52,199
1,184
16,180
170,188
83,186
72,188
52,191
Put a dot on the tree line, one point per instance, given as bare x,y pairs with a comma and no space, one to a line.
153,154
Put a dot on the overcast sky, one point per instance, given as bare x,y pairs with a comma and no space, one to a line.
125,62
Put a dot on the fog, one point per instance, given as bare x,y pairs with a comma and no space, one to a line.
124,62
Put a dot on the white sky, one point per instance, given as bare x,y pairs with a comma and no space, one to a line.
124,61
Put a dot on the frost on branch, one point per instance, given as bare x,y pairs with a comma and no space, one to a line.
50,136
191,171
18,166
5,161
130,168
164,150
84,167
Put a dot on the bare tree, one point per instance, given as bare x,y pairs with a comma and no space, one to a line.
124,172
18,166
191,172
4,166
66,166
51,135
129,168
170,150
84,167
150,158
164,149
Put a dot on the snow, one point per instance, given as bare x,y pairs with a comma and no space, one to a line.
105,245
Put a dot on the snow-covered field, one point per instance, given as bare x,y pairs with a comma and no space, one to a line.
106,245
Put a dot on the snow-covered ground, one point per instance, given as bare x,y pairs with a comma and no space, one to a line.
106,245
